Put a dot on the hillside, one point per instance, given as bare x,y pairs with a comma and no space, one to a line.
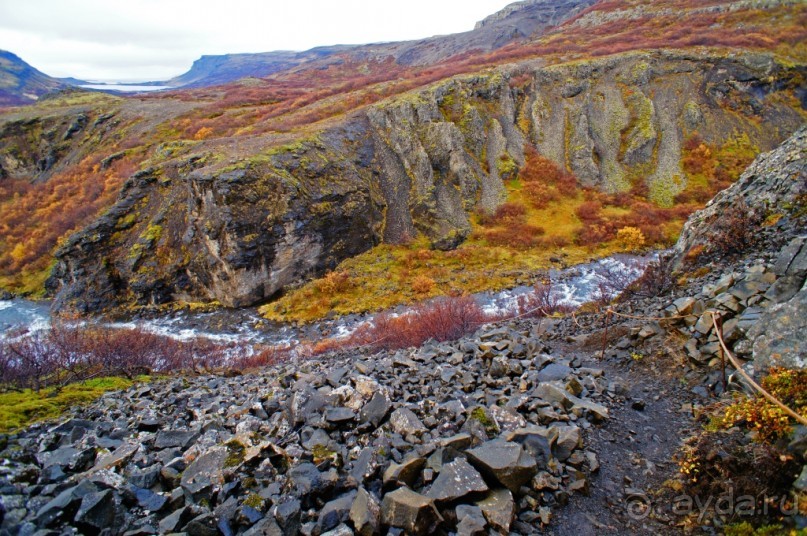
282,178
602,422
22,84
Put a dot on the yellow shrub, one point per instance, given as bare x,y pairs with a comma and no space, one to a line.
630,238
203,133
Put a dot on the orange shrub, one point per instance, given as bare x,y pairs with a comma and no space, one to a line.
333,282
423,284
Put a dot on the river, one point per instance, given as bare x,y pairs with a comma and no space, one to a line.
572,286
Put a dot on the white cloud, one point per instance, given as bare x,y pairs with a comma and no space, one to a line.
158,39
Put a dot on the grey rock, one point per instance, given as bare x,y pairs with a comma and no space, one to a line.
207,468
97,511
792,259
176,520
553,372
779,335
784,288
403,421
265,527
406,472
505,461
471,521
203,525
456,480
569,439
288,514
365,513
67,458
414,513
307,479
175,438
304,404
339,415
375,410
145,478
64,505
499,509
336,511
150,501
120,456
341,530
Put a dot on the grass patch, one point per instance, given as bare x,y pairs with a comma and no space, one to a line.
22,408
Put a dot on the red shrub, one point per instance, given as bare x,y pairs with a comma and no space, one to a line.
517,235
507,213
589,212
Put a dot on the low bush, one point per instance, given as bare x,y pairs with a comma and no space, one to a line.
508,213
734,231
443,319
423,284
333,282
541,301
65,354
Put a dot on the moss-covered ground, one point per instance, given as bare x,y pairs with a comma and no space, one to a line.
22,408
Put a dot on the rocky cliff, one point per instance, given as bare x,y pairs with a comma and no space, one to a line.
201,227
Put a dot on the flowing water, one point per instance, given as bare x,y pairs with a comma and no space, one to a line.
571,286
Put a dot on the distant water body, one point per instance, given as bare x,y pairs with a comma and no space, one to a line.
129,88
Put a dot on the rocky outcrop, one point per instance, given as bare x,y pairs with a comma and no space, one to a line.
203,228
33,149
774,186
763,305
471,441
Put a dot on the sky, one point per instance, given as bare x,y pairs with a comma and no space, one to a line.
147,40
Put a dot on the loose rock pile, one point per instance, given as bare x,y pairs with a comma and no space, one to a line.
761,308
485,434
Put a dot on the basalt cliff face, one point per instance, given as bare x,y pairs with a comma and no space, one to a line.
200,227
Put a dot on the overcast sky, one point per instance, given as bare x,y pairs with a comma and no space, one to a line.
143,40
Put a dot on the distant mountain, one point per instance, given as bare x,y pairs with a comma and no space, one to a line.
215,70
22,84
73,81
516,22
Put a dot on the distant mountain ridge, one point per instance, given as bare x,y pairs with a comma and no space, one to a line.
21,83
517,21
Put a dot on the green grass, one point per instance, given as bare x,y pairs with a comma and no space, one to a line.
22,408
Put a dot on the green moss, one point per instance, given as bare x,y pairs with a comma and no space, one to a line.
506,167
480,415
235,453
321,453
663,191
152,233
255,501
747,529
22,408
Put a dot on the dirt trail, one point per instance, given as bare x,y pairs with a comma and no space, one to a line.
635,448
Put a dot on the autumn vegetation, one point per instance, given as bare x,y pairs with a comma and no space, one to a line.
36,216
